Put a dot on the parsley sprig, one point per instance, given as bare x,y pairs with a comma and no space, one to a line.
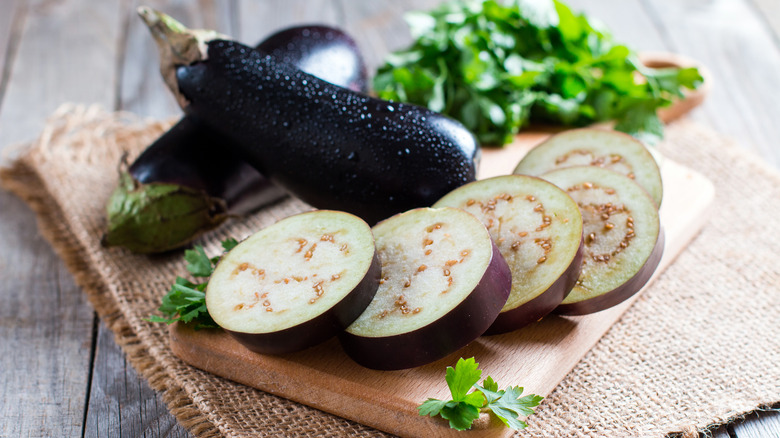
186,300
499,65
466,406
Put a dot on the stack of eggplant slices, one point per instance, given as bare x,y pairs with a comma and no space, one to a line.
407,257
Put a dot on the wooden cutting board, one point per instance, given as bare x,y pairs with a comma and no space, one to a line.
536,357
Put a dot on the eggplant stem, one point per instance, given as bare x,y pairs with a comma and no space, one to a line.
177,45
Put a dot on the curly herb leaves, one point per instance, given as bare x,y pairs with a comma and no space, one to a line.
229,244
466,406
497,67
186,301
198,263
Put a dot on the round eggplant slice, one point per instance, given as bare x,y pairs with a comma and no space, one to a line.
538,229
623,237
296,283
611,150
443,284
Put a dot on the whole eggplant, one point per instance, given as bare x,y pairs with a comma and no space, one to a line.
325,52
329,146
191,179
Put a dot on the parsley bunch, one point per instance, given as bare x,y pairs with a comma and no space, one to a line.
186,301
466,406
497,67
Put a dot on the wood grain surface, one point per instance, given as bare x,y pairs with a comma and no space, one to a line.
52,51
47,324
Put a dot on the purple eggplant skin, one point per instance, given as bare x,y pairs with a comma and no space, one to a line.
320,328
453,331
622,292
544,303
190,154
210,180
329,146
325,52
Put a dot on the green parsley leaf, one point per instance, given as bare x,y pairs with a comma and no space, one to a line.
466,406
461,415
186,301
489,389
507,404
198,263
490,384
500,66
461,378
433,407
229,244
642,122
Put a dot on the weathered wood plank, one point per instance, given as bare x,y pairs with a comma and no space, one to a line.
141,88
379,27
639,32
66,53
45,333
11,19
758,425
46,325
721,432
770,11
729,38
257,20
121,403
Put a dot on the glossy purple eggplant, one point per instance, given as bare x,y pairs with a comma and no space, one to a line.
191,179
331,147
325,52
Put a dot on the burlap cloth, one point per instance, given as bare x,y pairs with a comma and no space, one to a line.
700,347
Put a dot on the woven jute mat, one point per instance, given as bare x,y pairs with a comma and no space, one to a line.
699,348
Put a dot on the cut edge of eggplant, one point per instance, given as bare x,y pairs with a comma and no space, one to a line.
622,292
525,304
543,304
432,342
320,328
312,329
642,161
642,221
460,325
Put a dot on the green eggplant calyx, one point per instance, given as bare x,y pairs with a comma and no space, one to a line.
177,45
158,217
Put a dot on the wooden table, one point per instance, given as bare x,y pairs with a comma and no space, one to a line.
62,373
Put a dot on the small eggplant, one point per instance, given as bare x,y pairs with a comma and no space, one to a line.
191,179
329,146
322,51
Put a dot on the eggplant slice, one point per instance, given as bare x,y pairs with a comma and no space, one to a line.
611,150
538,229
623,237
296,283
443,284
